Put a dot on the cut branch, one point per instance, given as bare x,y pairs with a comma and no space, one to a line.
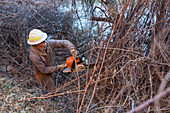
102,19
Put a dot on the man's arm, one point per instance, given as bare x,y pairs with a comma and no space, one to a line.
40,65
61,43
66,44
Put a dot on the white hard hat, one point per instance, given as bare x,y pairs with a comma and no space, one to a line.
36,36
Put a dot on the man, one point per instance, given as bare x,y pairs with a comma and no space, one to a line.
42,57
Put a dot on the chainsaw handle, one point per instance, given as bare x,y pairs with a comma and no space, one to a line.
74,53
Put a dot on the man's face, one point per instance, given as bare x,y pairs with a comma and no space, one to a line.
41,45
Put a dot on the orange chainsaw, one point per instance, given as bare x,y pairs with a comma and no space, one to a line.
80,64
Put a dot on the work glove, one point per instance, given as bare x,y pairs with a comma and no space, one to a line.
74,53
61,67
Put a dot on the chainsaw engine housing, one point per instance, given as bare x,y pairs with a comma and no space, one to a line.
70,62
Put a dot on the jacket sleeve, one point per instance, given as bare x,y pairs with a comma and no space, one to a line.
61,43
40,65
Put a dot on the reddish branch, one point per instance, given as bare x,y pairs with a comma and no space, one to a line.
151,101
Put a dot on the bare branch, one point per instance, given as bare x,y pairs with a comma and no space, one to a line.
161,88
151,101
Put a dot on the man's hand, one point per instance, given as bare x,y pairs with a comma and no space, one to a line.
61,67
74,53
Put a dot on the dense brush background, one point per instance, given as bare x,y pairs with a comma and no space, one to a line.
127,40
